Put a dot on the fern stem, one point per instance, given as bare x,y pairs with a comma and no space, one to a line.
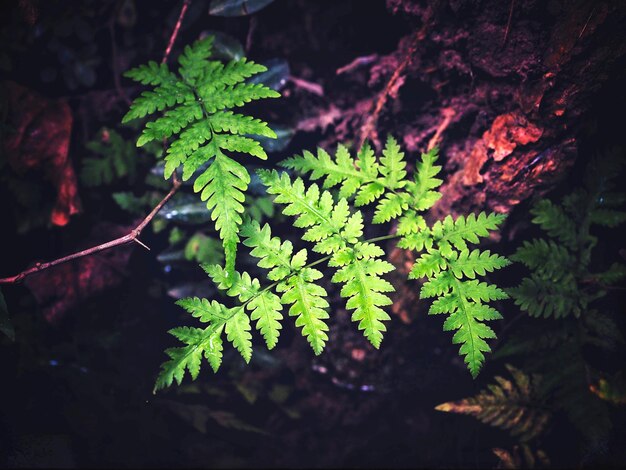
391,236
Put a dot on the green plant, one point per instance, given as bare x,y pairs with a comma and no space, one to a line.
335,229
513,405
116,159
561,282
566,288
196,105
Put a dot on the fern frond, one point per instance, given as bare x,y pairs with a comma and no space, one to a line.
613,275
151,73
450,269
308,305
426,181
196,104
366,176
463,301
335,231
545,257
360,271
273,253
552,219
314,210
205,342
466,229
391,207
513,405
265,307
392,165
222,186
116,158
199,343
297,282
475,262
543,296
607,217
238,333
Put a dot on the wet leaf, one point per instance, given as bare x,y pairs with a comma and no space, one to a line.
276,75
236,7
280,143
171,256
186,209
225,47
192,289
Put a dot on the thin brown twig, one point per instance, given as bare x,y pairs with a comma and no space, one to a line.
133,236
170,44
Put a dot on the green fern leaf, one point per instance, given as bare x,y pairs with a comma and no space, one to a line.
151,74
393,165
467,314
265,307
272,253
391,207
466,229
238,333
451,268
196,104
202,309
222,186
607,217
312,209
426,181
475,262
554,221
265,310
364,288
297,282
544,296
199,343
308,305
546,257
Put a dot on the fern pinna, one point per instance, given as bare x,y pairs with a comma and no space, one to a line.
514,405
194,107
560,283
333,224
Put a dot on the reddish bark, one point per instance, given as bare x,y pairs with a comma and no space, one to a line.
502,86
41,142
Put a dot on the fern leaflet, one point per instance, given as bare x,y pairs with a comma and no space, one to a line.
195,105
